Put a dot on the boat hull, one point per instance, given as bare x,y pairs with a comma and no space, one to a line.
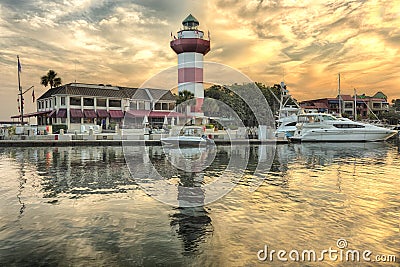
321,135
179,141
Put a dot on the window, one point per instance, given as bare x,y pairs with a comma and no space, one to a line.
291,124
50,103
75,101
348,105
63,101
47,103
115,103
75,120
157,106
88,102
63,120
101,102
133,105
88,120
141,105
164,106
348,126
55,101
328,118
376,105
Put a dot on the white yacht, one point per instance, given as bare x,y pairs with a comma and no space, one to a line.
188,136
287,116
321,127
287,121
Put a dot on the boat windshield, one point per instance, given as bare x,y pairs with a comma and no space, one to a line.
315,118
328,118
191,132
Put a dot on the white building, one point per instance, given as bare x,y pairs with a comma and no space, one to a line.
76,104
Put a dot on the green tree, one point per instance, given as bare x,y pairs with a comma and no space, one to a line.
245,113
184,96
51,79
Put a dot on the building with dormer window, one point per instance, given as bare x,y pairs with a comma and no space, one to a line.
77,104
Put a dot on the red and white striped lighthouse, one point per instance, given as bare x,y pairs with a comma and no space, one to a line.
191,47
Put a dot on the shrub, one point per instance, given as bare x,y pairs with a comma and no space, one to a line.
58,127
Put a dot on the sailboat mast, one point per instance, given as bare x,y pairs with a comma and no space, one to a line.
339,96
20,92
355,104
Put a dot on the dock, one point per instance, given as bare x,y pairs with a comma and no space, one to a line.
63,143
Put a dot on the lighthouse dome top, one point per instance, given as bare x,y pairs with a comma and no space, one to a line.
190,22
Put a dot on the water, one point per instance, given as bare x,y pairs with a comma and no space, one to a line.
80,207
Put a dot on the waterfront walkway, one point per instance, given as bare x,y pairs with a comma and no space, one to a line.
55,143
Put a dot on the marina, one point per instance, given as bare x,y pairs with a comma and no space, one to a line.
140,137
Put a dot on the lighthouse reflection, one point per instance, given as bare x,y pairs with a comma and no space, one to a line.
191,221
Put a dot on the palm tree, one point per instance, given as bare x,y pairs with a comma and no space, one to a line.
50,78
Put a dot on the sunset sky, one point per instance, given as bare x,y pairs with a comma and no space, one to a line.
124,43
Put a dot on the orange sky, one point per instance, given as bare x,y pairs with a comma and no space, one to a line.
123,42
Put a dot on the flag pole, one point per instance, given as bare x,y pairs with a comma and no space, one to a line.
20,93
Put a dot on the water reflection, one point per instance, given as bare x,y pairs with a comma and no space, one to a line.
322,154
313,194
102,170
22,182
75,171
166,173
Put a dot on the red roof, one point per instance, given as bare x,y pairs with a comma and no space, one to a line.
320,105
346,98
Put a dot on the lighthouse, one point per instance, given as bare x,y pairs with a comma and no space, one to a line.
191,47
